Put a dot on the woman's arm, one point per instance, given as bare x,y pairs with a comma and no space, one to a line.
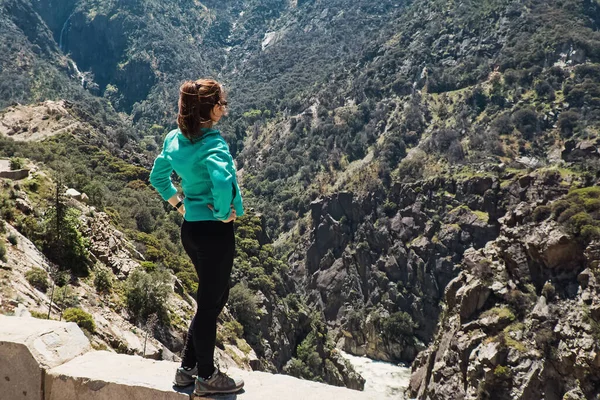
174,201
160,178
222,184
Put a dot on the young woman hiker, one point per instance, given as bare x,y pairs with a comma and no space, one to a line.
200,156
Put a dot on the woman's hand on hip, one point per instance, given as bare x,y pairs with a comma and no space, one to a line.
232,215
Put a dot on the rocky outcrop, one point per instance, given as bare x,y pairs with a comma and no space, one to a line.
39,121
370,259
109,245
581,150
521,322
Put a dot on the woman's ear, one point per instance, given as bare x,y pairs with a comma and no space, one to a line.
213,113
216,113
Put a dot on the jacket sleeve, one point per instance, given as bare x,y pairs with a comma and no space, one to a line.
160,177
222,184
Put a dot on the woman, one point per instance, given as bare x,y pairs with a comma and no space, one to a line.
200,156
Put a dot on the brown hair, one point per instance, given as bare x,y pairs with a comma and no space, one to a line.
196,100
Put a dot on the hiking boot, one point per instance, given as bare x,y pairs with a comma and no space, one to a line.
217,383
185,377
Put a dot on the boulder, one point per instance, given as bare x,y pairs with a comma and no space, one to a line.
585,149
28,346
73,193
541,310
472,297
24,206
552,247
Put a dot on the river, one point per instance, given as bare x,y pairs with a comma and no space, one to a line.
387,379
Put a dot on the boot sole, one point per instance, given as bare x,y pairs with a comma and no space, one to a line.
181,385
206,393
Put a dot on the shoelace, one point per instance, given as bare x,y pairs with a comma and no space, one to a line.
218,366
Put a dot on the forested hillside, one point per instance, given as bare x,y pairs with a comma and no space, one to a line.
377,143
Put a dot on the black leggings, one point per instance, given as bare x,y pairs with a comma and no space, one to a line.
211,246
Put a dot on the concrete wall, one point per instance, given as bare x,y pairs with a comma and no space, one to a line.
50,360
15,175
30,346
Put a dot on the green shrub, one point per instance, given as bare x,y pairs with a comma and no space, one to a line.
520,302
148,266
62,241
398,324
308,363
526,121
502,372
38,278
2,251
579,211
567,122
16,163
81,318
548,290
390,208
189,279
411,169
590,233
541,213
103,281
66,297
12,238
147,293
243,305
39,315
503,124
231,331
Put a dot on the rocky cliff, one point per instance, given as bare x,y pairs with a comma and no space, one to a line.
520,320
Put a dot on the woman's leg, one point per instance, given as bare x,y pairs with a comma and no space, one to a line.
211,247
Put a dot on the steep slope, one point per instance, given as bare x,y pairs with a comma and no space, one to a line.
377,259
521,319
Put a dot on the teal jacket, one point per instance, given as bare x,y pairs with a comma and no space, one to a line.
207,175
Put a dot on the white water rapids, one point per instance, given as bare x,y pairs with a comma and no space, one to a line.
388,380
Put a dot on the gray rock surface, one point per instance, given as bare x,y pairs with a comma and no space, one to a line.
522,318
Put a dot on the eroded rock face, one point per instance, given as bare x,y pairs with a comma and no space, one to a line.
522,320
553,247
110,245
365,265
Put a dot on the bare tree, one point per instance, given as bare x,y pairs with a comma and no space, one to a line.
149,327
